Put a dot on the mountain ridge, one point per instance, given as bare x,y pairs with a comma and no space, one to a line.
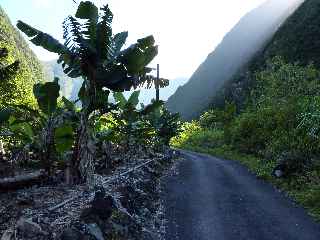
232,54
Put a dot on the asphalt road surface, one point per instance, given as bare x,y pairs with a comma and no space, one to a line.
215,199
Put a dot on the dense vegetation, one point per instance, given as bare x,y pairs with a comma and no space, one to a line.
19,89
55,132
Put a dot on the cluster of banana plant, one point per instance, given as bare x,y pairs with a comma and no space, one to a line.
127,123
47,130
92,51
50,131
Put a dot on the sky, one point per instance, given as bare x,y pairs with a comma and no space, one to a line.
185,30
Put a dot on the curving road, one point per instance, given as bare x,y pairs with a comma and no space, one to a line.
214,199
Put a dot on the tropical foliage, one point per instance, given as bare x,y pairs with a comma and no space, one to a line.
59,133
93,52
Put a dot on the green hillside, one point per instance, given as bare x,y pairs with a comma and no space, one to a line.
30,69
296,41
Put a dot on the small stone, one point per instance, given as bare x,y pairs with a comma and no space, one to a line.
100,209
102,206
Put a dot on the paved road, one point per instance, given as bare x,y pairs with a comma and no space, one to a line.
214,199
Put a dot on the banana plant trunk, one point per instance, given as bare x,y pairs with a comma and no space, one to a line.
48,148
82,164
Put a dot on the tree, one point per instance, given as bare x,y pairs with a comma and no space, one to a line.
93,52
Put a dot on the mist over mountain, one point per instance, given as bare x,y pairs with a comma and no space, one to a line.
69,86
249,37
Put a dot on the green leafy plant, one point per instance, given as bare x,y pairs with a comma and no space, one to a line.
93,52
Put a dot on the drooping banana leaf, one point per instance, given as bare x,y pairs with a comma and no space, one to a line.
42,39
104,35
118,41
155,106
21,128
47,95
120,99
64,138
139,55
134,98
148,81
146,42
68,104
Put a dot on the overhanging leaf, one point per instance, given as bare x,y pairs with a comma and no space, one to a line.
68,104
64,138
118,41
47,95
120,99
42,39
134,98
155,106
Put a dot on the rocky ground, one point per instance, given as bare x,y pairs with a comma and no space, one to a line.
123,204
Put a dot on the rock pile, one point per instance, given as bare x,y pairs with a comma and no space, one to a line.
124,208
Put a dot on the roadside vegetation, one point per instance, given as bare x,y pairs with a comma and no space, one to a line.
276,135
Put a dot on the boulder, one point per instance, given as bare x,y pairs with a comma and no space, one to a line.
100,209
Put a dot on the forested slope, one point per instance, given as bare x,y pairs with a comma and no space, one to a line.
296,41
30,69
238,47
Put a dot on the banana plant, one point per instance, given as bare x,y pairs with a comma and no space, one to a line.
165,124
93,52
46,129
131,118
